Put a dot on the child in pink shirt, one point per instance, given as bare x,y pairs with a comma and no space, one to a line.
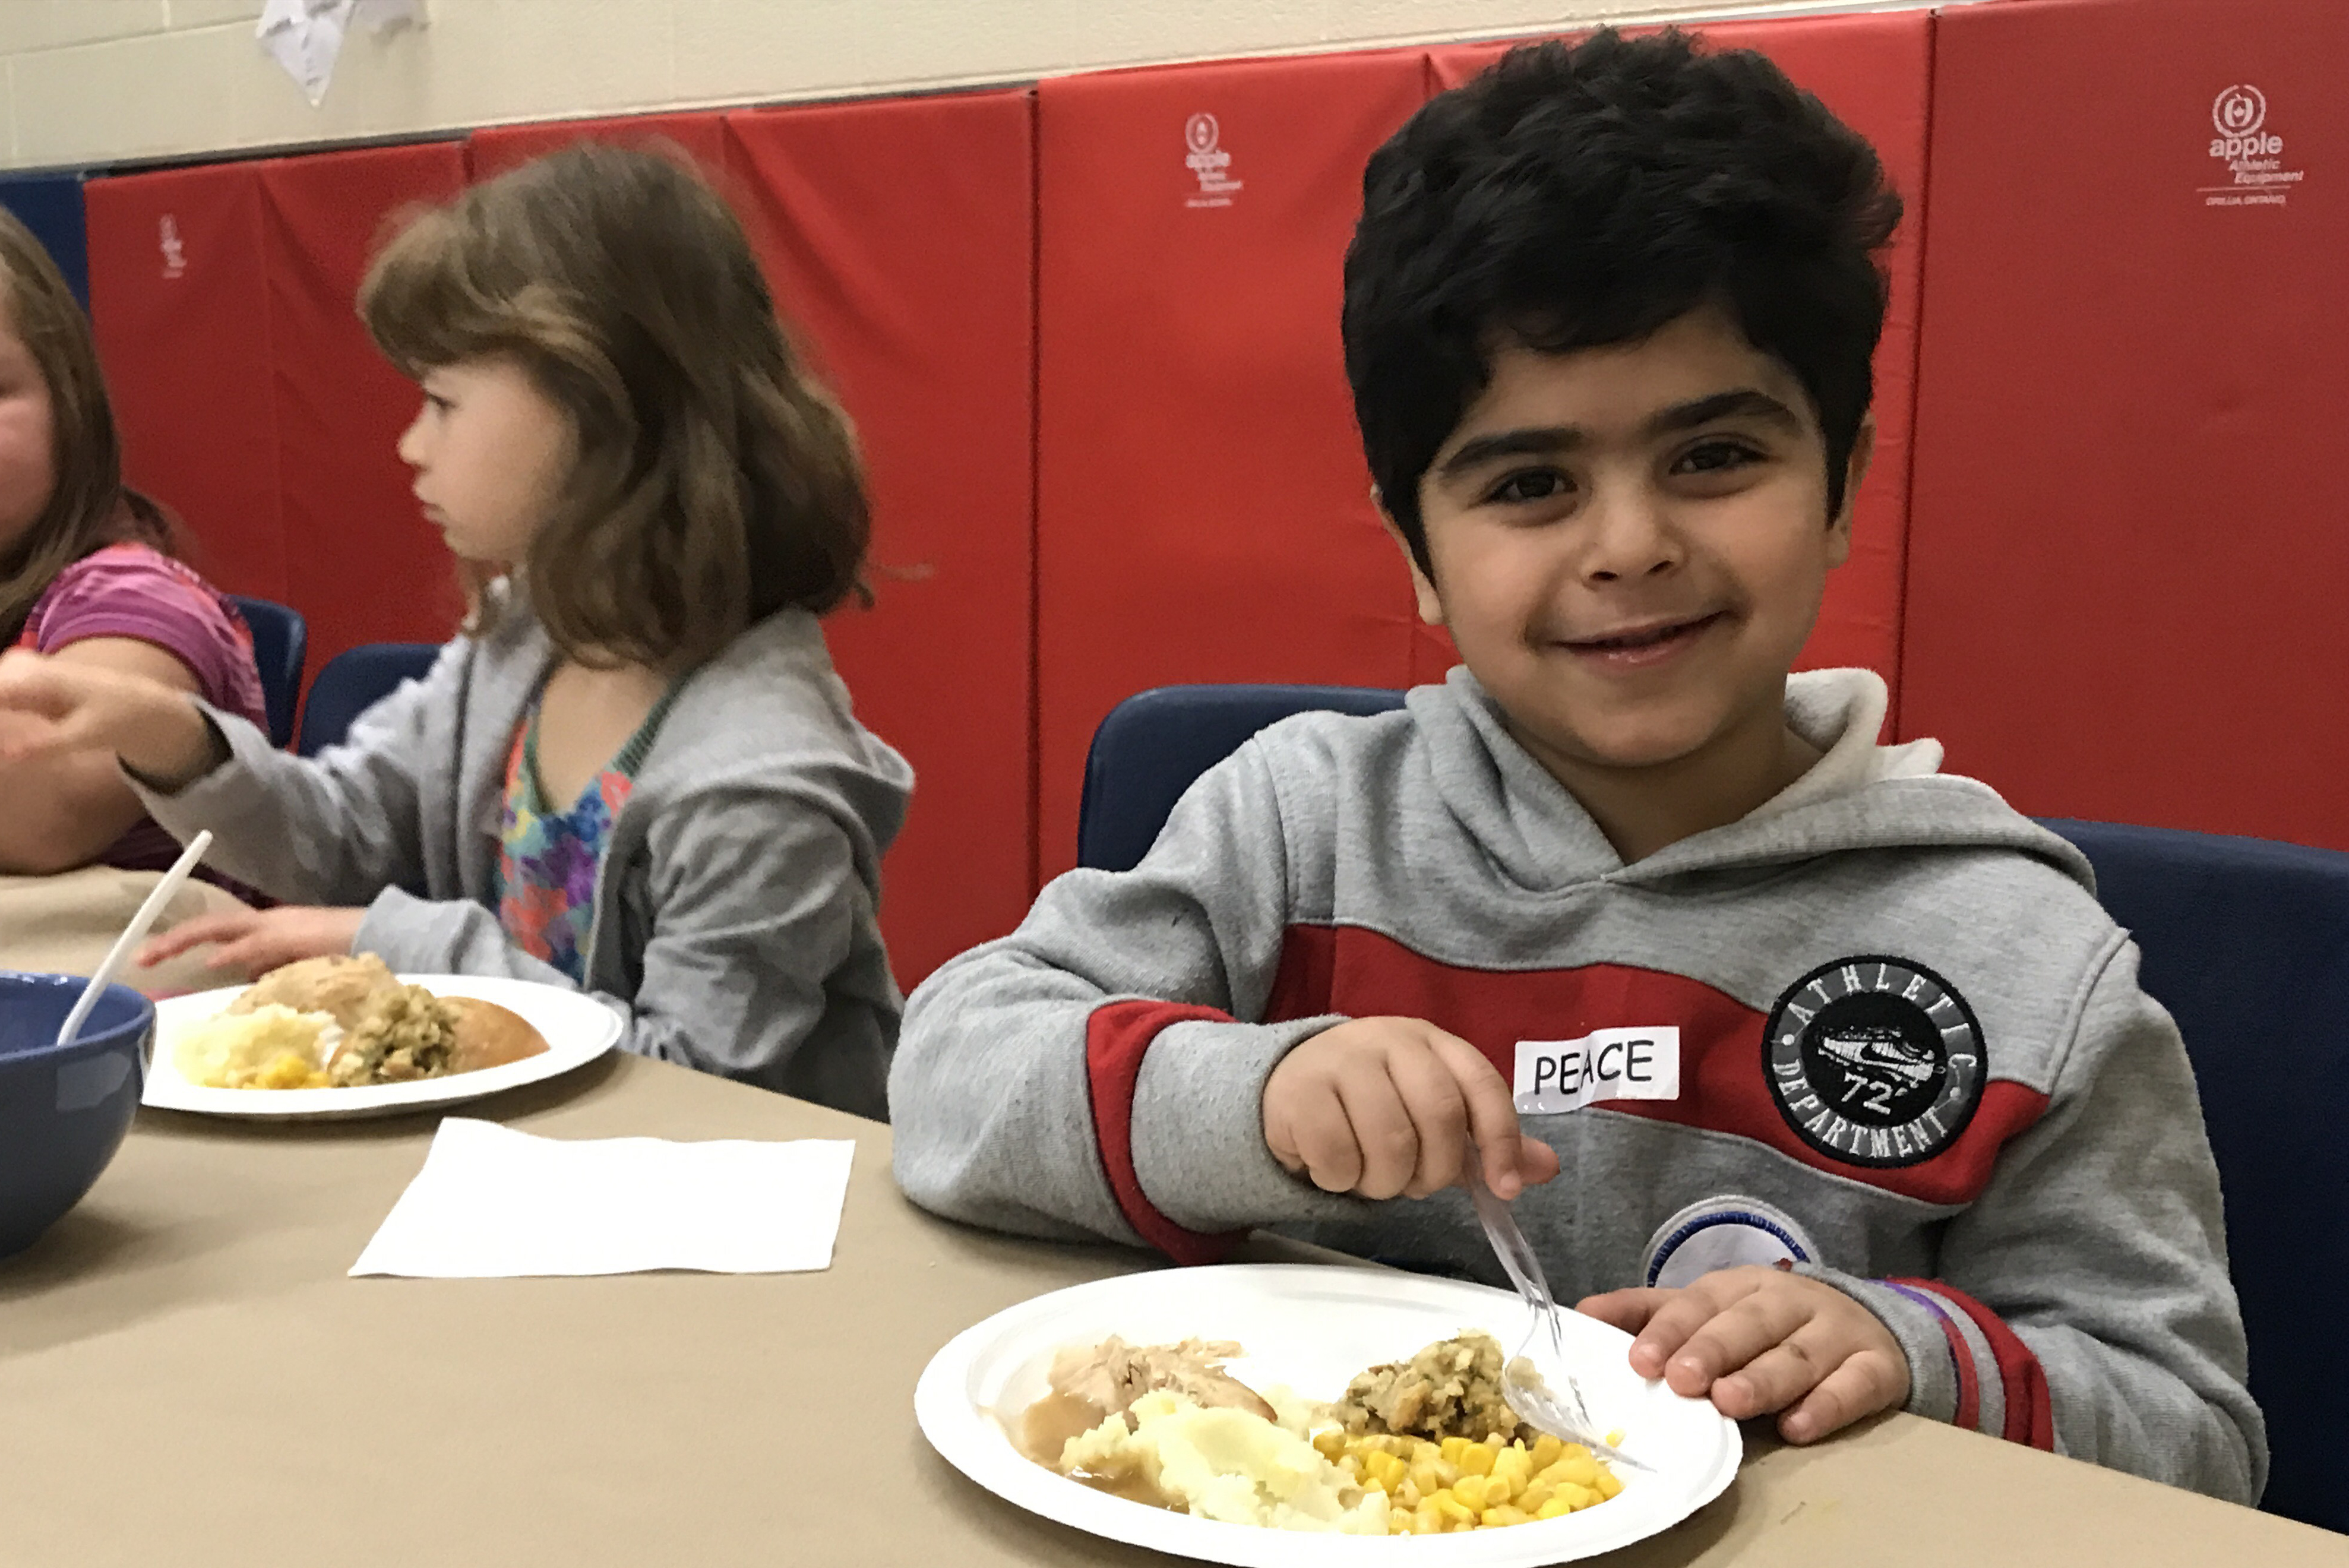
86,574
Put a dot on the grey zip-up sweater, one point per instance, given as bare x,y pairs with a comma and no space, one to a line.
734,924
1879,1031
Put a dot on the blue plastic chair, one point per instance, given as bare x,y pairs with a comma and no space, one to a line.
1153,746
281,647
353,681
2245,942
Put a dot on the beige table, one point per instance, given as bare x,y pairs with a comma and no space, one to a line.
188,1379
64,924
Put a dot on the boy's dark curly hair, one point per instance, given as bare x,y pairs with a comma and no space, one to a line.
1578,197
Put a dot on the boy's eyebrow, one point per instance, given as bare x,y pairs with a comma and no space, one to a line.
1746,402
1556,440
1533,441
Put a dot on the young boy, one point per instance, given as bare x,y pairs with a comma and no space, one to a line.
1819,1070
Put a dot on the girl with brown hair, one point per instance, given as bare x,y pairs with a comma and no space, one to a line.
635,771
87,576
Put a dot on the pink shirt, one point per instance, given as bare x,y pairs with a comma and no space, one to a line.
131,590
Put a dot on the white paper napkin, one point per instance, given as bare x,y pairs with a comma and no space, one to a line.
493,1203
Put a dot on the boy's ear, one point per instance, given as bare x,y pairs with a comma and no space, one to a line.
1863,455
1431,604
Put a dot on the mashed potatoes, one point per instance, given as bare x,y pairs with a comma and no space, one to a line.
1426,1446
269,1048
1229,1464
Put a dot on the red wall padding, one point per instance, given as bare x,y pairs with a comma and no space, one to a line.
1874,70
2127,537
1203,513
900,238
250,396
179,300
1089,340
362,564
495,148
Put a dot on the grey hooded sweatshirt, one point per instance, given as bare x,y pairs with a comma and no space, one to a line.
735,919
1879,1032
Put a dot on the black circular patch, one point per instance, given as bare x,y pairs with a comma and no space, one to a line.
1876,1062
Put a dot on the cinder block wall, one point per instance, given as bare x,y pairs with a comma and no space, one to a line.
86,82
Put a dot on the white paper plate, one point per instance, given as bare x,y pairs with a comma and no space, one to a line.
1312,1329
577,1027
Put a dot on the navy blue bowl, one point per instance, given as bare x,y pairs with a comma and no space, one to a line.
63,1111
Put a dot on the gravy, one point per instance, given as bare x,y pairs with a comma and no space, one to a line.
1045,1428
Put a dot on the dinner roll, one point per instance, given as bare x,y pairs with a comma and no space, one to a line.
488,1036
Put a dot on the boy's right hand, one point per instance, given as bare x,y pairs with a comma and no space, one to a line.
1383,1107
50,705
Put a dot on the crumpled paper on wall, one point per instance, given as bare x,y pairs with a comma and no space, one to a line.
304,35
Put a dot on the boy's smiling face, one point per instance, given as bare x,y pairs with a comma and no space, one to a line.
1629,545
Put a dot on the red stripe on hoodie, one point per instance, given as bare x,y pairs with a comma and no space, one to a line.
1117,1037
1724,1087
2029,1414
1961,1356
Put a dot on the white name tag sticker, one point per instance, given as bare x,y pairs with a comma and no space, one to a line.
1555,1075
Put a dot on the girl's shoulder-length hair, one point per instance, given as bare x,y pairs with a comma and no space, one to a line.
716,483
88,506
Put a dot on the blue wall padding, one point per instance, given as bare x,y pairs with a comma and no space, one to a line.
50,205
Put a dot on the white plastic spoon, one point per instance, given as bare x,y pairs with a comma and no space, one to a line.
132,934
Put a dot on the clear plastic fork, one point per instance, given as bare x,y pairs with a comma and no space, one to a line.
1558,1412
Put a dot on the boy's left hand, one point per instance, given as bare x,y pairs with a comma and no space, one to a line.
1759,1340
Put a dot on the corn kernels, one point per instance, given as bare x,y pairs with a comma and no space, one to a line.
1458,1485
1582,1472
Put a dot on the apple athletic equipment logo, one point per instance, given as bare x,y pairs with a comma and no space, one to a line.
2240,111
1874,1061
1205,157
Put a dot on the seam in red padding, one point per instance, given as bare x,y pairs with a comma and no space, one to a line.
1117,1037
2030,1413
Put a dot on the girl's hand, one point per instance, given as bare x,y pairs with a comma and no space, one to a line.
1760,1340
1383,1107
255,941
52,707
